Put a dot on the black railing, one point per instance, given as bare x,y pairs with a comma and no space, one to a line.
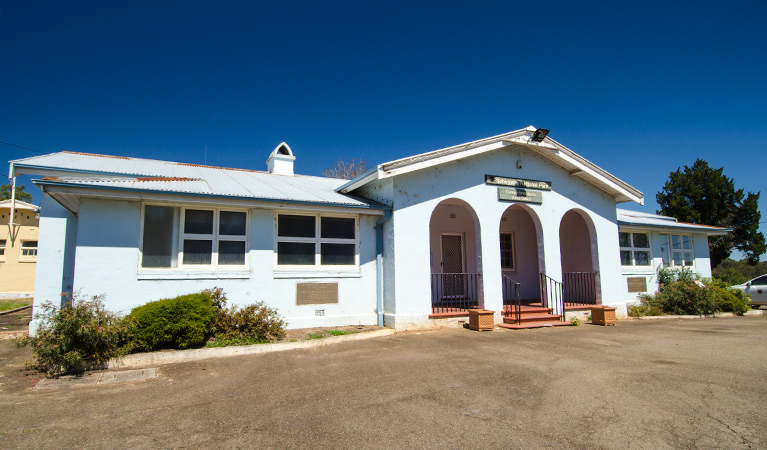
454,292
512,299
580,288
552,295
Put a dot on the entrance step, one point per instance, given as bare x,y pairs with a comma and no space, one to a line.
535,317
539,324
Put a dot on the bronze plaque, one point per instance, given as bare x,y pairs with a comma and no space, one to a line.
637,284
316,293
519,195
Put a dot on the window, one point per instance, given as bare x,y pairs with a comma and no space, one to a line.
193,237
2,247
679,253
635,249
507,251
29,249
314,240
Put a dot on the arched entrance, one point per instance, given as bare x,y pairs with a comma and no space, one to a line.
522,258
455,258
580,260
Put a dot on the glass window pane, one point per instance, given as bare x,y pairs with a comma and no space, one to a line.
159,246
295,253
295,226
231,252
664,250
29,244
687,258
677,258
337,228
505,241
231,223
338,254
198,221
197,251
625,258
675,242
625,239
642,258
687,242
759,281
641,240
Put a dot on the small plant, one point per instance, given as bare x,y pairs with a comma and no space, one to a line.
341,332
575,321
179,322
648,305
312,336
77,337
252,324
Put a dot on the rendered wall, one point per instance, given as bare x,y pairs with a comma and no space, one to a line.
416,195
17,273
108,259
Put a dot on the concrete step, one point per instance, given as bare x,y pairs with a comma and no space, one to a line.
532,318
528,325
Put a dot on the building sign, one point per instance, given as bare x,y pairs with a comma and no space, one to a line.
519,195
316,293
518,183
637,284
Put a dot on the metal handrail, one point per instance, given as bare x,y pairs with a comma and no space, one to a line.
513,298
552,296
580,288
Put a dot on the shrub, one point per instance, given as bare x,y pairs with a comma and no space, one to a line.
733,300
252,324
77,337
648,305
179,322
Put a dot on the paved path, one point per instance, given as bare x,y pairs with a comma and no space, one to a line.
667,384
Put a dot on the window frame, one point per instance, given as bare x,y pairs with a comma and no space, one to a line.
317,240
180,236
633,249
670,251
3,248
511,250
22,249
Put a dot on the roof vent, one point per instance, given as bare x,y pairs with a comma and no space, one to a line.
281,160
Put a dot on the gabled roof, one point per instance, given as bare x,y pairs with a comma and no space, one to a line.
90,171
19,205
636,219
549,148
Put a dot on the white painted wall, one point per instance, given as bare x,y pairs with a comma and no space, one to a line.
57,239
415,196
108,259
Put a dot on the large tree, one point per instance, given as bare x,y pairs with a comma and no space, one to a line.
21,194
704,195
347,170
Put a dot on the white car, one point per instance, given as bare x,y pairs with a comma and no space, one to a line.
757,289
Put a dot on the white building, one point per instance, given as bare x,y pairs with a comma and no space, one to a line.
500,223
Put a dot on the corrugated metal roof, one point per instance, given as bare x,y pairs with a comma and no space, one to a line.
165,176
642,219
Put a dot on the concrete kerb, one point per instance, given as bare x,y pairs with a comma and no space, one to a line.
177,356
753,312
11,311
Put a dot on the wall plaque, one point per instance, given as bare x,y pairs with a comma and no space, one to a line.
518,182
316,293
637,284
519,195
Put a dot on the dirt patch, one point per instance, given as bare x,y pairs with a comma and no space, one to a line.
16,321
307,334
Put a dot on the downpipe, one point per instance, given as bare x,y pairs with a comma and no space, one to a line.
379,266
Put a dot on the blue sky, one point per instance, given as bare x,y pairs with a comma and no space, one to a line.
639,88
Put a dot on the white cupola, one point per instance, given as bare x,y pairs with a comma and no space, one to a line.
281,160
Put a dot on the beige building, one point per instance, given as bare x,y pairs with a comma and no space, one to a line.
18,249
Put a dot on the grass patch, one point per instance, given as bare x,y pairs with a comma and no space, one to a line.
312,336
7,305
341,332
241,340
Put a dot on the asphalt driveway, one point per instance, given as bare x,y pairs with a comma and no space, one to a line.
665,384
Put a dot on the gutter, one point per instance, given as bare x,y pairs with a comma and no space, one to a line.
702,230
379,266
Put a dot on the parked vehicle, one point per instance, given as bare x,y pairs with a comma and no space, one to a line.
757,289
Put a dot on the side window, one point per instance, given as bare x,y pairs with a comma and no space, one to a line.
2,247
761,281
507,250
29,249
635,249
313,240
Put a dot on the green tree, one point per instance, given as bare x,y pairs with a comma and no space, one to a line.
21,194
703,195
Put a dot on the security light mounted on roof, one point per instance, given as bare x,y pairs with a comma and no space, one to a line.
281,160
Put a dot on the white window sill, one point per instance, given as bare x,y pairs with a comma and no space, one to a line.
27,260
316,273
644,270
188,274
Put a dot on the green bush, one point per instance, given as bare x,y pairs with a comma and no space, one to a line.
253,324
687,297
648,305
733,300
180,322
77,337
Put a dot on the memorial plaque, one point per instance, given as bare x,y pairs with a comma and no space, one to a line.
518,182
316,293
637,284
519,195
